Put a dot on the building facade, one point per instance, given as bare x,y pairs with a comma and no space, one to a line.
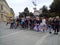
5,11
37,12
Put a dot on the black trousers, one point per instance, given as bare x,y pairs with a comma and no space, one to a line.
11,25
56,29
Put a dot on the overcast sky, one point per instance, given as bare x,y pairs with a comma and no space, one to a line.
19,5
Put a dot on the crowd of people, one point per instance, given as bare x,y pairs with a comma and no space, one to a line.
41,24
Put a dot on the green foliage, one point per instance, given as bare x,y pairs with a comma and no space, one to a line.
26,10
52,14
44,9
55,7
21,14
31,14
26,13
45,12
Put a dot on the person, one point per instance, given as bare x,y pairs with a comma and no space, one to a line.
8,21
17,22
43,25
59,24
36,23
56,21
22,22
12,24
31,24
36,27
50,25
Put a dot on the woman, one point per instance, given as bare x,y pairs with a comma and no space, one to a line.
43,26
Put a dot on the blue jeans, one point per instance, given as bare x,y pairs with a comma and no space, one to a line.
50,27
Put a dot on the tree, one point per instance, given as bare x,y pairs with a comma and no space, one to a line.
44,11
21,14
31,14
26,12
55,7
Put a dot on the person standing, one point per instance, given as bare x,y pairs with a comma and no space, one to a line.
56,22
44,25
12,24
50,25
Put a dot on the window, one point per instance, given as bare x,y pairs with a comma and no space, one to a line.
1,7
1,15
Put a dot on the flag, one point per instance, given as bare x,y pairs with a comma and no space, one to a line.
34,3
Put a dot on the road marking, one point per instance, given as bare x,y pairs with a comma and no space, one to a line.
39,42
9,34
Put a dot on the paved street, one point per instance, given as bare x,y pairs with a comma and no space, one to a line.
26,37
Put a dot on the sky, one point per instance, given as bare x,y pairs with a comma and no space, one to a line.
19,5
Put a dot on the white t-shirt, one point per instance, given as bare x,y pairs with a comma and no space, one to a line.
44,21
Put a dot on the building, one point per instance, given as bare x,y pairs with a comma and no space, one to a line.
5,11
37,12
